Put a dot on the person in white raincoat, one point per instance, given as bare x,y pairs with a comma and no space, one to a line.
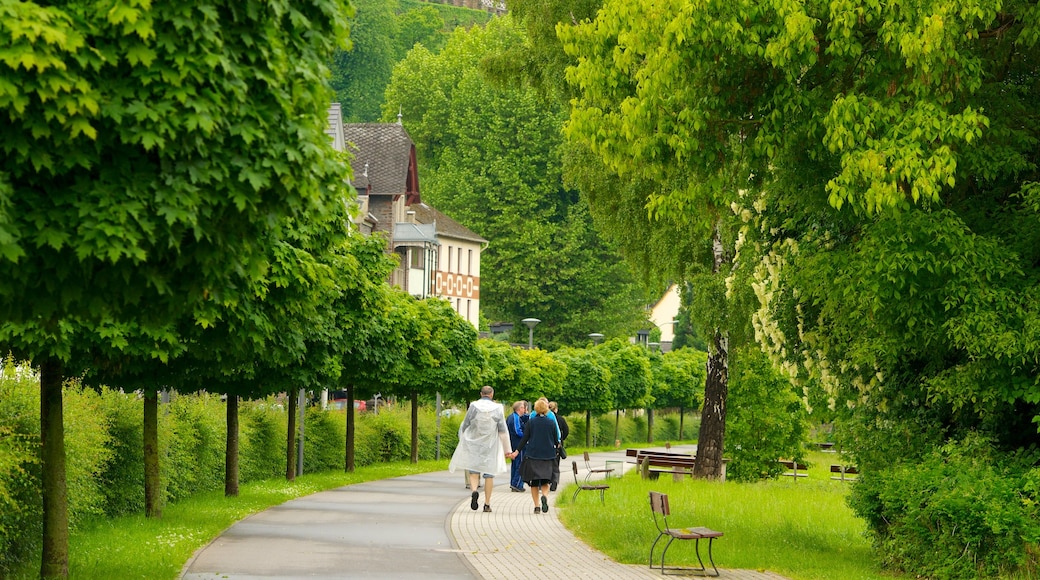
483,445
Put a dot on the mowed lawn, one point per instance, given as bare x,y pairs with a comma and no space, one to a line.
801,529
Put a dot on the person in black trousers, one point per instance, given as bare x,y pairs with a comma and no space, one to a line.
565,430
515,424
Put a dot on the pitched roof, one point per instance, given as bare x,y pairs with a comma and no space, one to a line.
446,226
385,153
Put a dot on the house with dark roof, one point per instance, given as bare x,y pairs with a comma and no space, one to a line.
437,255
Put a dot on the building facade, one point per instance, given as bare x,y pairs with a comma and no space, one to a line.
437,256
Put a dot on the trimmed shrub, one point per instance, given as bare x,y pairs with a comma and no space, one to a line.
390,434
21,520
193,444
87,452
965,511
325,436
261,439
449,432
122,480
666,427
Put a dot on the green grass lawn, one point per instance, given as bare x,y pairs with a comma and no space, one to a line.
802,530
139,547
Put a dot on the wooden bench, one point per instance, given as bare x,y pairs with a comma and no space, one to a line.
653,463
844,471
796,469
659,507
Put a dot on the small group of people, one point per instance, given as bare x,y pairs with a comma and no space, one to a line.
532,440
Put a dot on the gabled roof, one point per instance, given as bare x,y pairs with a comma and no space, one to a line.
386,155
446,226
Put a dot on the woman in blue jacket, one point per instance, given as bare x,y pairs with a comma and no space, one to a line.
541,437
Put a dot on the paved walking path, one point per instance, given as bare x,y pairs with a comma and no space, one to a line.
417,526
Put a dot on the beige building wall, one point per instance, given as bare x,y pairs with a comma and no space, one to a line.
458,276
664,312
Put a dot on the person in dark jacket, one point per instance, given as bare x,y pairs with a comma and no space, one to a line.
515,424
541,436
565,430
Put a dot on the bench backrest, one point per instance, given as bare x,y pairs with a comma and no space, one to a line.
660,509
669,461
659,503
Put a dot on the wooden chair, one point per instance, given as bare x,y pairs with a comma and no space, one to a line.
585,486
661,511
589,469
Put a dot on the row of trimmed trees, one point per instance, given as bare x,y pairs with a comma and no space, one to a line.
171,213
613,376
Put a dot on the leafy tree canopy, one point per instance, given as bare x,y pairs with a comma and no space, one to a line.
882,160
490,157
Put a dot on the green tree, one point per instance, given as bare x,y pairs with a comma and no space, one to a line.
360,72
181,148
586,387
504,370
633,114
377,343
420,25
678,380
630,379
455,363
490,157
883,162
543,376
767,420
382,34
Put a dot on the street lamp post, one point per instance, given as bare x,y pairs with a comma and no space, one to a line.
531,323
596,337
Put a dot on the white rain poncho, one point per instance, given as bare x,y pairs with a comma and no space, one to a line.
483,439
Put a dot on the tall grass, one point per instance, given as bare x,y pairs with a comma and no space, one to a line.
139,547
802,530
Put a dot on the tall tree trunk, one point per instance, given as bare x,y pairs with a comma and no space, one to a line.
649,425
712,433
349,463
152,491
681,413
231,450
290,440
588,428
415,426
55,561
617,423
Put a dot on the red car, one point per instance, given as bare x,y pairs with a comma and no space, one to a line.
341,404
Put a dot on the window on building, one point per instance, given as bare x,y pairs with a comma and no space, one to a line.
417,258
469,304
449,258
458,262
469,262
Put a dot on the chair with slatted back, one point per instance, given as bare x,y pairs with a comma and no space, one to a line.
589,470
659,507
585,486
